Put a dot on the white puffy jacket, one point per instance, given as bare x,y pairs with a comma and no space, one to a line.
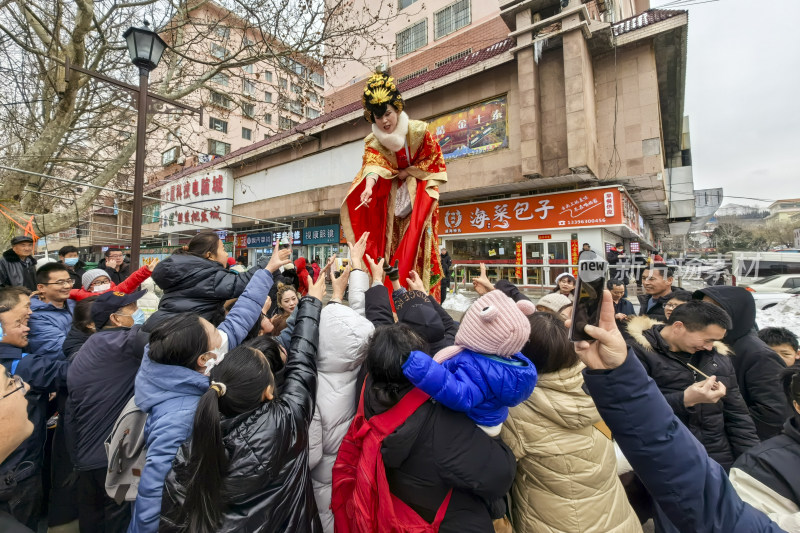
343,332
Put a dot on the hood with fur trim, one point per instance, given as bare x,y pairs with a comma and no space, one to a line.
639,325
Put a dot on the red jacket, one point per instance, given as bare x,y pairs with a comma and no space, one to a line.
302,275
127,286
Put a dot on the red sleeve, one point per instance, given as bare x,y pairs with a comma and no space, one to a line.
133,281
79,294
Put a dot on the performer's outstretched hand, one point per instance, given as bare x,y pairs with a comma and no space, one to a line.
366,196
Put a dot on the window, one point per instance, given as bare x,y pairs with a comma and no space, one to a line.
173,136
249,110
170,156
296,107
221,79
220,100
268,118
312,113
220,52
222,32
247,42
247,133
452,18
296,89
217,124
286,123
407,77
405,3
312,97
248,87
247,68
412,38
268,76
282,83
218,147
268,97
454,57
318,78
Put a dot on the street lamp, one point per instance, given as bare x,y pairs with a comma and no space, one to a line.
145,48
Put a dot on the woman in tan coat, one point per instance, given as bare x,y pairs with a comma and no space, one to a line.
566,468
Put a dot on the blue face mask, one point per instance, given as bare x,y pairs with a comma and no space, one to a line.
138,317
71,261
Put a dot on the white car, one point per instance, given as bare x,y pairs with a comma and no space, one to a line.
777,283
765,300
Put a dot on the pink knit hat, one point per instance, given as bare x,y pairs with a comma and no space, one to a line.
493,325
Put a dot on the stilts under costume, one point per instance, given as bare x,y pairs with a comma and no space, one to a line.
402,215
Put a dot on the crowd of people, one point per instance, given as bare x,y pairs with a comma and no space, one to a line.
251,400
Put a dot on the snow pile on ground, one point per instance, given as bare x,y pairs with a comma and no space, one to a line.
783,315
460,301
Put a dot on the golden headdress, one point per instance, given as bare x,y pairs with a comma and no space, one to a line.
380,91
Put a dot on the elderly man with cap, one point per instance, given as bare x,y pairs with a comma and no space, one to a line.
17,266
100,382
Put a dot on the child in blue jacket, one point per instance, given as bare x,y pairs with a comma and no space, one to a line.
483,374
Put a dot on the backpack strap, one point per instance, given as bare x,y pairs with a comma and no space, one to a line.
387,422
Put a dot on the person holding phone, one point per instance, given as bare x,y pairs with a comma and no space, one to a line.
691,489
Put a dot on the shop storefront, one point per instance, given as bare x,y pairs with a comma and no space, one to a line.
531,240
321,242
261,244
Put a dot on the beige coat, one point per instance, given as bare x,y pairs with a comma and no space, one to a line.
566,469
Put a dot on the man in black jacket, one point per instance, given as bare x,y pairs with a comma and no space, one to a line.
68,255
100,382
657,282
757,366
447,265
114,263
679,356
20,474
17,266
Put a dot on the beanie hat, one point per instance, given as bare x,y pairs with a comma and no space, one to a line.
414,308
554,301
92,275
563,275
493,325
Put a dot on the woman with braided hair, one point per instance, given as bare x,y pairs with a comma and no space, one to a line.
245,467
395,196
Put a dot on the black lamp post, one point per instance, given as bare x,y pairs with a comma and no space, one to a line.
145,48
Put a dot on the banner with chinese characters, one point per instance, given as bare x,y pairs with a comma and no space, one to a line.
574,255
204,198
321,235
518,250
472,130
565,210
259,240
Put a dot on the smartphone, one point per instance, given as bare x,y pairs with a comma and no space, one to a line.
283,243
591,282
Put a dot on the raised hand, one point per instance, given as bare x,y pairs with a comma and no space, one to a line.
376,269
152,264
392,270
279,258
357,251
329,264
610,349
318,288
414,282
481,284
340,284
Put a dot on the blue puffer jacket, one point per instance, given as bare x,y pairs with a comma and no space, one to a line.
692,489
482,386
49,326
169,394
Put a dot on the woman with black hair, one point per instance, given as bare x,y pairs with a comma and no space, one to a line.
82,327
566,471
433,451
174,375
195,279
246,465
565,284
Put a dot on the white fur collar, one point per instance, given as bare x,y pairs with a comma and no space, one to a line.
396,140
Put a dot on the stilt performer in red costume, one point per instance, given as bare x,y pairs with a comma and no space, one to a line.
395,196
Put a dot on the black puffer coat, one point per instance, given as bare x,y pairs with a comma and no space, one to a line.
657,311
437,449
16,272
197,285
268,485
724,428
757,366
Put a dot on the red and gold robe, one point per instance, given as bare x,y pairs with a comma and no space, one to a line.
412,239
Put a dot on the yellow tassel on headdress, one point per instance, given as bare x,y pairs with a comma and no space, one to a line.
379,96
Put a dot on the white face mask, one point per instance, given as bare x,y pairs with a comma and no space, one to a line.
220,352
101,288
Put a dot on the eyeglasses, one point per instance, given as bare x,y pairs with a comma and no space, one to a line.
61,282
19,385
670,306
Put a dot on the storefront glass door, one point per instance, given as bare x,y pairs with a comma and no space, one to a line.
544,261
